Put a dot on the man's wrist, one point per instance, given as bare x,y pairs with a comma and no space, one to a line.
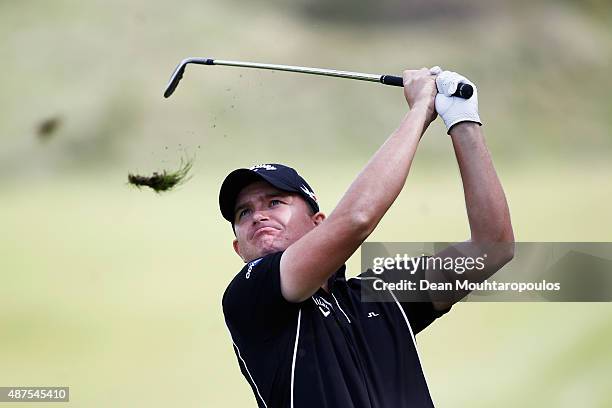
420,117
422,111
423,107
464,128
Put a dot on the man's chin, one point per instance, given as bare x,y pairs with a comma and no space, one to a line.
269,247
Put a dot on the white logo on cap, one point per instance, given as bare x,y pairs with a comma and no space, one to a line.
309,193
262,166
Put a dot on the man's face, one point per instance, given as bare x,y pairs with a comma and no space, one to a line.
268,220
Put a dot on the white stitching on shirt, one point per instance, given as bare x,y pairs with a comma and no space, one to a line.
347,318
248,372
295,348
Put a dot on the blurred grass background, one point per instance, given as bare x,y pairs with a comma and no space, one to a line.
116,292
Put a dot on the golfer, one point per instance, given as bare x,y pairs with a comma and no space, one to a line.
302,335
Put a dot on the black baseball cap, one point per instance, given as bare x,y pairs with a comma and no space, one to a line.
280,176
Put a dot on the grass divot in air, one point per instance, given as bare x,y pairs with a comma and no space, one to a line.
164,181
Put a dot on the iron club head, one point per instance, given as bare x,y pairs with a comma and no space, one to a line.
177,75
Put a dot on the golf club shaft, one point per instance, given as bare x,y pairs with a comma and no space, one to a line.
303,70
463,91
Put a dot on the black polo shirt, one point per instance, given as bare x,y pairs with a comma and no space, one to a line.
332,350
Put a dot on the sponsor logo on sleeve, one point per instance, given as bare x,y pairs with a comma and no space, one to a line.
250,267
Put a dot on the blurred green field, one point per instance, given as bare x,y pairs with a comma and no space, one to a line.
116,292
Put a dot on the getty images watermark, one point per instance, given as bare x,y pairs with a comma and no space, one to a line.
527,271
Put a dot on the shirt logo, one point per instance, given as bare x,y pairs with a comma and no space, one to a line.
324,306
262,166
250,268
373,314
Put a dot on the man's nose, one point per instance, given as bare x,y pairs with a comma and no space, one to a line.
260,215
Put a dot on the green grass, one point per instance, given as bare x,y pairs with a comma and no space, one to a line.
120,298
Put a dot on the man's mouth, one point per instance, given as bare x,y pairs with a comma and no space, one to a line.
263,230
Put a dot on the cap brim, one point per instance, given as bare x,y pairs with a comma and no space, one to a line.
235,182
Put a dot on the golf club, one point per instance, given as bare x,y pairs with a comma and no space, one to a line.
464,91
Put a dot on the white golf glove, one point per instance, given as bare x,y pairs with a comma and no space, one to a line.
453,109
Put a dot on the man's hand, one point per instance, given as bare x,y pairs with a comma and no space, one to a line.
453,109
420,89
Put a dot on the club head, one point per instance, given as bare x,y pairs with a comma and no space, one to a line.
177,75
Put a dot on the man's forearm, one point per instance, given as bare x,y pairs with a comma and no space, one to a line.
488,214
355,216
370,195
382,179
486,204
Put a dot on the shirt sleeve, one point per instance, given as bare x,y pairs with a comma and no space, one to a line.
253,303
421,313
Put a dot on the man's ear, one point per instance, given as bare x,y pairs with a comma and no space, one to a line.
318,218
236,246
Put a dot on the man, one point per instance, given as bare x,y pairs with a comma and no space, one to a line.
302,335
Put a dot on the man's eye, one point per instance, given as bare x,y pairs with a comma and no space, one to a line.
274,202
243,212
